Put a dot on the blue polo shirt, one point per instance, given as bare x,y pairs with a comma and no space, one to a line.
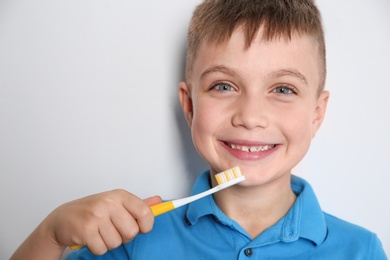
202,231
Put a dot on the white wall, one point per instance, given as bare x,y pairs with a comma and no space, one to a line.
88,103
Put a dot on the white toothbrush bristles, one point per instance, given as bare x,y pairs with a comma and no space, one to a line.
228,175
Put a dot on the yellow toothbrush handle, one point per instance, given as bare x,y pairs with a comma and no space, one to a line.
75,247
161,208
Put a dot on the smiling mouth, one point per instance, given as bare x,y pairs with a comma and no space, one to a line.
254,148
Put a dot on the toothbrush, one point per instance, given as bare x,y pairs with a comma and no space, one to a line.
224,179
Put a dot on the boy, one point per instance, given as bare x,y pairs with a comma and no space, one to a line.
254,97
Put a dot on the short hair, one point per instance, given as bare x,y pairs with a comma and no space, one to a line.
216,20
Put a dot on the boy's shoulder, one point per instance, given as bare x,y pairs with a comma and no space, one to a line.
330,233
308,203
342,225
347,230
352,239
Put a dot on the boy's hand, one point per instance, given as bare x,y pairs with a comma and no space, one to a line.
101,222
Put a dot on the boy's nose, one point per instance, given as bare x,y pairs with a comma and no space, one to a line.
250,112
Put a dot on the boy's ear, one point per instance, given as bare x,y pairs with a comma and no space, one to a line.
186,101
319,113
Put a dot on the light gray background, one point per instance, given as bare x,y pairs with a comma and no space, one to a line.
88,103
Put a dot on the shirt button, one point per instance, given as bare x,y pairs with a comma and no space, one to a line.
248,251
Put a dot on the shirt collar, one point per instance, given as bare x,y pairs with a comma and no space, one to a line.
306,215
305,219
204,206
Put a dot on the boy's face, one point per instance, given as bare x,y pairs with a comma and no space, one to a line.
255,107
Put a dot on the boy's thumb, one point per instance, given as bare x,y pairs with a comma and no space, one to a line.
153,200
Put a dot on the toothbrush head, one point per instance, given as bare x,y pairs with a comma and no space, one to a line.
229,175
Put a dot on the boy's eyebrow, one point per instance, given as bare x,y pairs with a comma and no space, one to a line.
218,68
275,74
289,72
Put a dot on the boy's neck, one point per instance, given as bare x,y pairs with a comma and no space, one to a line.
257,208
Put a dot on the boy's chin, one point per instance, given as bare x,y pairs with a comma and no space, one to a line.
259,179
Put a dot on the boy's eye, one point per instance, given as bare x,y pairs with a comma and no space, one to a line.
222,87
284,90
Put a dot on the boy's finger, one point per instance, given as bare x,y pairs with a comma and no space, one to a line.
153,200
126,225
110,235
140,211
96,245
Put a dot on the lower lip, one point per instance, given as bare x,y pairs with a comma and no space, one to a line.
239,154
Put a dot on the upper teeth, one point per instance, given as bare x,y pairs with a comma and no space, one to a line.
252,148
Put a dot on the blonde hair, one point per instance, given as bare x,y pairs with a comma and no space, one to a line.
216,20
